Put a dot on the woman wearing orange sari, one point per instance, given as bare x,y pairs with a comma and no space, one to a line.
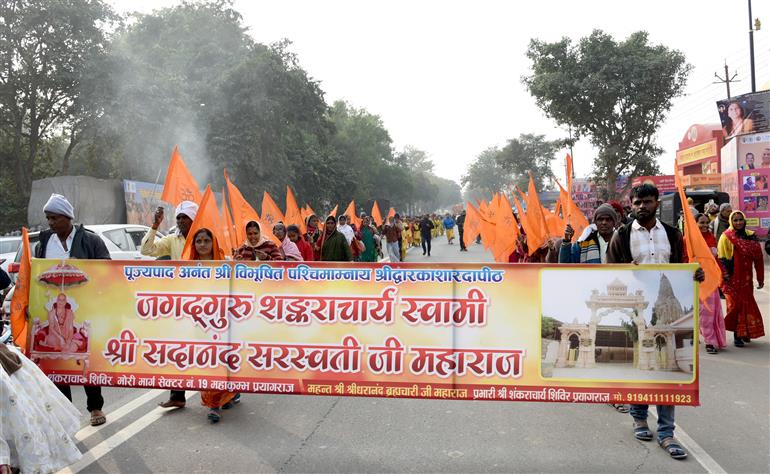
205,247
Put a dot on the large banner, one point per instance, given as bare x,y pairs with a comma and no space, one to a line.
748,113
569,333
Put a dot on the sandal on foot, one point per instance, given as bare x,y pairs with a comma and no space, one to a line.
236,400
620,407
738,342
98,418
214,415
711,349
172,404
673,448
642,430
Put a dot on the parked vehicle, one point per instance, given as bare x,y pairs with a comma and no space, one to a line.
123,241
8,248
671,205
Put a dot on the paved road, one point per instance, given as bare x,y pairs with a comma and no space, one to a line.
270,433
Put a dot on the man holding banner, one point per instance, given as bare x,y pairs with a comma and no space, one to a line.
64,241
646,240
171,246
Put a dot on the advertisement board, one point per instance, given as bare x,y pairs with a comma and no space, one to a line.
620,333
748,113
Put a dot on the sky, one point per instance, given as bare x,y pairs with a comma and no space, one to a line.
571,302
445,76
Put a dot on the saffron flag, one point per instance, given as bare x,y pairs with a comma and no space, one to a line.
207,218
522,215
350,211
180,184
271,215
376,216
228,229
333,213
572,214
472,226
391,213
536,218
243,213
697,248
306,212
20,301
506,231
487,215
293,214
552,223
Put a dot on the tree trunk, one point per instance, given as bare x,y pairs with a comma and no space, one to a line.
65,163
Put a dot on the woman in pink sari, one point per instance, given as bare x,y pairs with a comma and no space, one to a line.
712,322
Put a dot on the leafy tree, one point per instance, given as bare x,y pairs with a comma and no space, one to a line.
615,93
44,47
485,175
526,153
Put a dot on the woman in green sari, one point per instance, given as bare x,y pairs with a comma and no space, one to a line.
367,237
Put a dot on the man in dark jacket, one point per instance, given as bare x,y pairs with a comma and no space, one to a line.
648,240
335,247
592,246
64,240
426,229
460,221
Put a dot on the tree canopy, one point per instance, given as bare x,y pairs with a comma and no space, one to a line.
616,93
84,91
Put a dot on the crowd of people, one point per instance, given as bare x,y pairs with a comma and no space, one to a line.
617,235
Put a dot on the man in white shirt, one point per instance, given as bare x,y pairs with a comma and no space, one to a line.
647,240
63,241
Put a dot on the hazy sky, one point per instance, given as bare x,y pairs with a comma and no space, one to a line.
445,76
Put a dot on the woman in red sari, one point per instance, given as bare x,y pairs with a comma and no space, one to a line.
205,247
712,322
738,251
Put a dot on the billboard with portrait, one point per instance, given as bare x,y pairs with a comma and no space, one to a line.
748,113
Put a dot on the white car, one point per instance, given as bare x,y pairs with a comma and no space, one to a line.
123,241
8,248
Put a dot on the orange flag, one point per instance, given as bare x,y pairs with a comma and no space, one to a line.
306,212
228,229
536,218
571,212
293,214
488,213
242,211
20,301
552,223
472,226
391,213
334,211
180,184
506,231
569,173
271,215
350,211
208,218
522,215
376,214
697,249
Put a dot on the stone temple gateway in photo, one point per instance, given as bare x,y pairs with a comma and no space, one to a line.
661,349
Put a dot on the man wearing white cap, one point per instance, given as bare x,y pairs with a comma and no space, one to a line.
64,240
171,246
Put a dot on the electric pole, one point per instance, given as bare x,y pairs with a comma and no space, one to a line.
727,79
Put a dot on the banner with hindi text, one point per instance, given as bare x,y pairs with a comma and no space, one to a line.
557,333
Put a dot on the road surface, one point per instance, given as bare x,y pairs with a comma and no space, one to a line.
272,433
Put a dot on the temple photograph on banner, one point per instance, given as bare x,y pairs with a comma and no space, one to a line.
619,325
